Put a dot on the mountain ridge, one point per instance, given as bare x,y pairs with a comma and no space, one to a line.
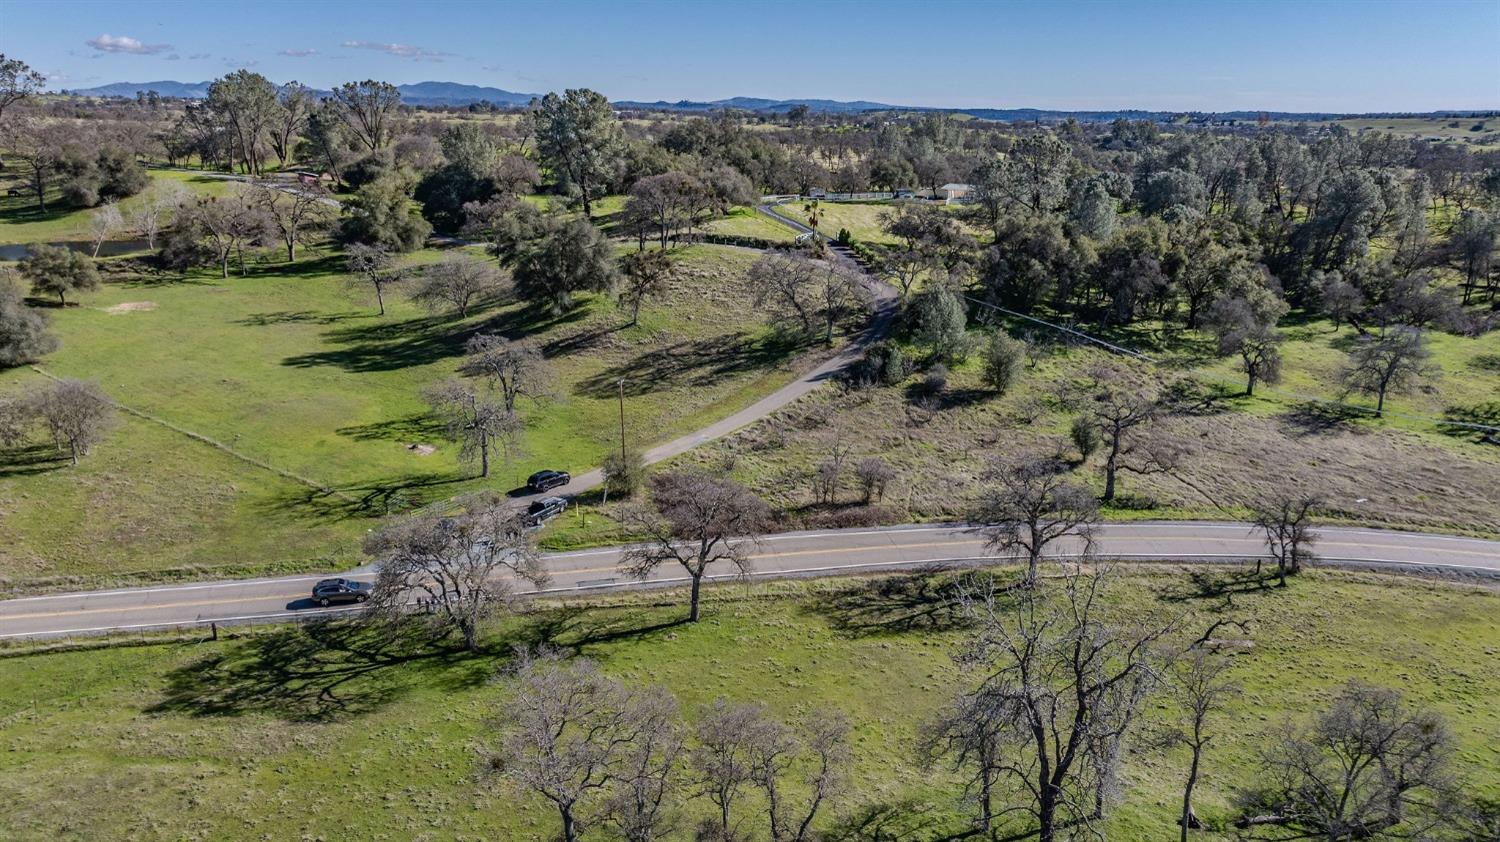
457,94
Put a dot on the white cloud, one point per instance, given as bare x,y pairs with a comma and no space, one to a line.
402,50
107,43
297,53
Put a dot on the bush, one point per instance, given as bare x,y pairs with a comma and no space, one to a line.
1003,357
884,364
624,477
845,238
80,193
874,475
1085,436
936,380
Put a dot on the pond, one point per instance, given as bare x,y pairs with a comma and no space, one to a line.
110,248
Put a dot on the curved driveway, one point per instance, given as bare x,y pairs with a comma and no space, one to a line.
824,553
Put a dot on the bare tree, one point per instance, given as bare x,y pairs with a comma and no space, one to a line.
157,209
696,521
645,776
457,281
76,414
1028,504
1064,686
874,475
567,729
103,224
645,274
228,224
823,747
295,212
1286,520
1198,684
1367,767
460,566
724,759
18,82
815,295
368,109
375,267
967,733
1393,362
516,369
474,420
1122,411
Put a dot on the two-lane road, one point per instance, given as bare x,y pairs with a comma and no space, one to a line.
822,553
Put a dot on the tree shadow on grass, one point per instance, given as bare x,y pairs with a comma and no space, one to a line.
698,362
389,346
1319,419
417,427
1216,584
367,499
902,821
927,601
320,671
31,460
283,317
575,630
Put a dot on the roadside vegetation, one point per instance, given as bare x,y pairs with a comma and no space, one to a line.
199,737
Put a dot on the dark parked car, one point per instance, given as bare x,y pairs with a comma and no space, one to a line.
329,591
545,509
546,480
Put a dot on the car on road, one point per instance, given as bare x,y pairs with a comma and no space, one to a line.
545,509
547,480
330,591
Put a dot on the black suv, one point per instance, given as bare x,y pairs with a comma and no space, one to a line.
544,510
546,480
329,591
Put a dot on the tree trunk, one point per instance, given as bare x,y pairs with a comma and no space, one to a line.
484,460
1046,815
693,611
569,830
1380,403
1189,820
291,251
471,636
380,298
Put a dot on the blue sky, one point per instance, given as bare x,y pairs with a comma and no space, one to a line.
1332,55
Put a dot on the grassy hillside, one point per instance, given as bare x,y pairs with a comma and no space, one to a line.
292,368
21,223
281,735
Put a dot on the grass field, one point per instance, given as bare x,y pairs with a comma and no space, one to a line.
1235,451
21,223
282,734
293,369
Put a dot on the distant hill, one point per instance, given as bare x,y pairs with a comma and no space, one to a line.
181,90
454,93
747,103
458,94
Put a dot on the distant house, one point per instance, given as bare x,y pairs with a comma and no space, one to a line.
956,194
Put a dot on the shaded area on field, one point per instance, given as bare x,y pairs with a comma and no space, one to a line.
927,601
688,363
375,498
417,426
319,671
32,459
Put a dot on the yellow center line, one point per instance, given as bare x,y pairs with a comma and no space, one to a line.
831,551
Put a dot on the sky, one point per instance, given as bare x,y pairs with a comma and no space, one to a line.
1215,55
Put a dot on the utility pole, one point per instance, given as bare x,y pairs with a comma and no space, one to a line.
623,460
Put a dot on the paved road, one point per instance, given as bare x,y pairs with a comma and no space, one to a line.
787,555
883,300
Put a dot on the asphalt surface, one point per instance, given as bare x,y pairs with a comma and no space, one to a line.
824,553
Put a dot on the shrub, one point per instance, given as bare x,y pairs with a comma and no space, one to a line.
1003,357
1085,436
623,477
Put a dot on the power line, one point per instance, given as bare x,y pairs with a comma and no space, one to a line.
1120,349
